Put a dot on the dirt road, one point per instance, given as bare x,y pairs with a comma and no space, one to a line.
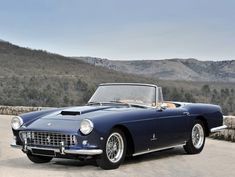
216,160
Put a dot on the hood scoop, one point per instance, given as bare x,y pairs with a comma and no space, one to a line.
70,113
75,111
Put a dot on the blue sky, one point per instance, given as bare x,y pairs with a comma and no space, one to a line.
123,29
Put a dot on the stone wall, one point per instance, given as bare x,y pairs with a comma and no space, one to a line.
229,133
16,110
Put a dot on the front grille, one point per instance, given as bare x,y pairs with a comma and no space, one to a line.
51,139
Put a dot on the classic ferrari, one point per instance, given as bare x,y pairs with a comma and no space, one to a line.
120,119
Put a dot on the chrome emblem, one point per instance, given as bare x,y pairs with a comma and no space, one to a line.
49,124
154,138
48,139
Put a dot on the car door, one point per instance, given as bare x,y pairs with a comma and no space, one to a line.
171,126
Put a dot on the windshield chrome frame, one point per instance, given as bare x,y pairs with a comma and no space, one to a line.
135,84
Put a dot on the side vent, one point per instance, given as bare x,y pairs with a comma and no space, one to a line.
70,113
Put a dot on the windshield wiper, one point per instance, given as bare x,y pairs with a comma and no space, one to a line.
94,103
138,106
118,103
108,102
130,104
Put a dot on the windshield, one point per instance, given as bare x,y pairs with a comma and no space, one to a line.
124,93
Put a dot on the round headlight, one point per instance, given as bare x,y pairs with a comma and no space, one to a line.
16,122
86,126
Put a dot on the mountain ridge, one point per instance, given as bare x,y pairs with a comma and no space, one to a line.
172,69
189,69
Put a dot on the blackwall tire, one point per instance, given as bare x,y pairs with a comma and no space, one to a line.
114,152
39,159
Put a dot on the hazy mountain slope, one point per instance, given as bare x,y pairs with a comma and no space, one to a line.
35,77
172,69
18,61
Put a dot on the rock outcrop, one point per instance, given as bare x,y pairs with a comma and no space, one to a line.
229,133
16,110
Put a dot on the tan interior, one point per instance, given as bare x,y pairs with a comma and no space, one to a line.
169,105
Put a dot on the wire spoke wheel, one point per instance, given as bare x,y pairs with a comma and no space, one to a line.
197,136
196,140
114,147
114,151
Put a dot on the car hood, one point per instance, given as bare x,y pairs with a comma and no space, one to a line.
68,119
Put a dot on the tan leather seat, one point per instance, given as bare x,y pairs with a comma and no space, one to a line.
170,105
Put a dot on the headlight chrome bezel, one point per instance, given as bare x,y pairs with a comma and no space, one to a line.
86,126
16,122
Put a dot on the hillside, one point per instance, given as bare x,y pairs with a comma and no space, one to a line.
172,69
35,77
39,78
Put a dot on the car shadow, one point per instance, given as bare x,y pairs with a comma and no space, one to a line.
163,154
54,165
75,163
64,164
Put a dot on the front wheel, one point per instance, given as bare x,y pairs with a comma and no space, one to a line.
114,152
196,141
39,159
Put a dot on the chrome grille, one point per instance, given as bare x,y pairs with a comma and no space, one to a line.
35,138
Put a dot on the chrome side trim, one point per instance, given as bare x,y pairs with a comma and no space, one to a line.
216,129
158,149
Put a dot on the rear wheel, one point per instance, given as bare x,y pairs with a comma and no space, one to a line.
114,152
196,141
39,159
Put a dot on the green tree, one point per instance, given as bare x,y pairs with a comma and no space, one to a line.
189,98
206,90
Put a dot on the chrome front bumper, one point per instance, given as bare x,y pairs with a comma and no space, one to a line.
61,150
216,129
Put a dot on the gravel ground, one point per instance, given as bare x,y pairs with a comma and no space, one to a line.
216,160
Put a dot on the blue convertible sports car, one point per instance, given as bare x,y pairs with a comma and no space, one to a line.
120,119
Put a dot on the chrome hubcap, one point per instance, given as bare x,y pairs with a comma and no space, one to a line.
114,147
197,136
